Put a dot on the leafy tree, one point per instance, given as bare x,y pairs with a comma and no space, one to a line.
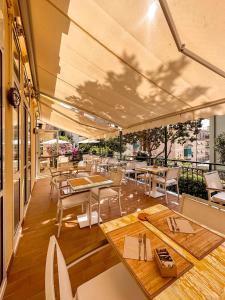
152,138
220,146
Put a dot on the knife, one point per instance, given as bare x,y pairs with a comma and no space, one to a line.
139,246
177,228
173,229
145,249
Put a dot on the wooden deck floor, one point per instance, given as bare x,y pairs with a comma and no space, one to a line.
26,276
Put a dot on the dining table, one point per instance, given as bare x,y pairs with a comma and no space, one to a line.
151,173
199,277
87,183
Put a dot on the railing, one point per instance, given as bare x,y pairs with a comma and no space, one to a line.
191,178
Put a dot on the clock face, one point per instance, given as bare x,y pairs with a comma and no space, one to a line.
14,97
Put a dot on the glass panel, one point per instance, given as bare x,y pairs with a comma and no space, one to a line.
16,140
1,181
16,203
48,143
28,183
16,58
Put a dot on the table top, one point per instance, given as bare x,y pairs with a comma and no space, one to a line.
88,182
152,169
206,280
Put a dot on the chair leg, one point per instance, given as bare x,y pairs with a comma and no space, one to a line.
166,194
120,204
57,213
178,193
99,211
60,222
89,213
51,189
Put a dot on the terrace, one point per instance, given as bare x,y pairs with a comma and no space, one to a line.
112,150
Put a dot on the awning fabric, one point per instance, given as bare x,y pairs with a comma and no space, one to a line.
118,59
71,120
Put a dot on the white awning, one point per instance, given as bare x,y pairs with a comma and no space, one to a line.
119,61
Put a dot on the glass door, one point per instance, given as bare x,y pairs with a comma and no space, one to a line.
1,176
16,132
27,155
47,151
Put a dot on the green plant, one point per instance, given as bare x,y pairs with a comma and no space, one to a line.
220,146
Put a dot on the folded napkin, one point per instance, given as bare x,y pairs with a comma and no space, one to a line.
180,225
131,248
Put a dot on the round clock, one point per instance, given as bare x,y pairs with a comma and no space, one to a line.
14,97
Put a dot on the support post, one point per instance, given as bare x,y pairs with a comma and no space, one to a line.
121,140
165,133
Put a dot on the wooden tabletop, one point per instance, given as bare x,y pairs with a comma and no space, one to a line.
152,169
89,182
206,280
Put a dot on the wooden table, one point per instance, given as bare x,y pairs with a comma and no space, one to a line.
205,280
86,184
154,171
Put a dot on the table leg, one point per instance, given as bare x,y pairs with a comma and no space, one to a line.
154,193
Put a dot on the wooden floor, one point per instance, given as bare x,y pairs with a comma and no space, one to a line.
26,275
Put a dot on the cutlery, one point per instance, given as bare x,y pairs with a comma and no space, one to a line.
139,245
171,223
145,249
177,228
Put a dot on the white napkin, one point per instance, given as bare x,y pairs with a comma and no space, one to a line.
131,248
183,225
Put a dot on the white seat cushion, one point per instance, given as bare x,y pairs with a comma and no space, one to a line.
219,197
82,174
129,171
105,193
75,199
168,182
114,284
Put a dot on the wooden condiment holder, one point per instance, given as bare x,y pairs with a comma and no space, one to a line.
165,271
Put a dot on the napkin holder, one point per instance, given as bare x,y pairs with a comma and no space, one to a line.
165,271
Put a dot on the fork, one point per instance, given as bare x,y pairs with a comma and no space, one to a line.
139,245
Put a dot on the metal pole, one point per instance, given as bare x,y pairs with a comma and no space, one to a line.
165,133
121,139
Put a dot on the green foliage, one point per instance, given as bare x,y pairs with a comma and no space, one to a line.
195,187
220,146
64,138
152,138
104,147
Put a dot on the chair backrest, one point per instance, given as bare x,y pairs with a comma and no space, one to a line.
173,173
130,165
116,176
64,280
200,211
212,180
63,159
139,164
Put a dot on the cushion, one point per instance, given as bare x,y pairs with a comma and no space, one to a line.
105,193
219,197
75,199
168,182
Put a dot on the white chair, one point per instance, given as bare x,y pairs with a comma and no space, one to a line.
214,185
139,164
109,193
201,211
171,178
115,283
58,179
85,170
129,168
68,200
